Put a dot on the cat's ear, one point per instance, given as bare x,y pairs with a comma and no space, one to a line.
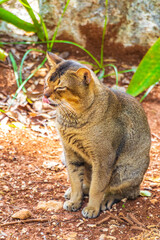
84,74
53,59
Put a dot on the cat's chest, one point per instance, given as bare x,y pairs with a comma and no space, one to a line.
77,140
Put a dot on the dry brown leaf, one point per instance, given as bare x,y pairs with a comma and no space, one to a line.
22,214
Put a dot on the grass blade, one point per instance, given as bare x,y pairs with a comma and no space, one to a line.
29,77
22,62
115,69
59,41
15,68
124,71
59,22
13,19
101,75
148,91
81,47
45,31
37,26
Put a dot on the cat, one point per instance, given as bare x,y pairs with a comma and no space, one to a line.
105,137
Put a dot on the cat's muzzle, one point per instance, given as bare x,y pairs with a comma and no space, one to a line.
49,101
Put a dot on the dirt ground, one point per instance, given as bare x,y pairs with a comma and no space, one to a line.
31,171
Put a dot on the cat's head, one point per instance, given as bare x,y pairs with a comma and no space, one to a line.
68,82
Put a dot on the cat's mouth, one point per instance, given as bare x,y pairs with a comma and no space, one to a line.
49,101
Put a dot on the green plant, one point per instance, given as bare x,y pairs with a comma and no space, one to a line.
148,72
3,55
38,28
20,83
19,23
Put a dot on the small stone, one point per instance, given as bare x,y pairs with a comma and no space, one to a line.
1,147
22,214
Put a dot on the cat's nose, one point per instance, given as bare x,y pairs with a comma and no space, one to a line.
45,100
47,93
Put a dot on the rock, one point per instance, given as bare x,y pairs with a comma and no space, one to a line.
22,214
130,23
51,205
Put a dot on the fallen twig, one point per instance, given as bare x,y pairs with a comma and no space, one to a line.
103,220
25,221
156,136
127,220
138,228
135,220
116,217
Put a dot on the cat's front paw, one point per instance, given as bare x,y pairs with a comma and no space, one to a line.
67,194
71,206
90,212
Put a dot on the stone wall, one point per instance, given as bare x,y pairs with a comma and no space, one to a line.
130,23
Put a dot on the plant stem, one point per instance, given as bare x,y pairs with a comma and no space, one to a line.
31,75
59,22
22,62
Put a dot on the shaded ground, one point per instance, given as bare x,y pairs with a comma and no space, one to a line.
27,177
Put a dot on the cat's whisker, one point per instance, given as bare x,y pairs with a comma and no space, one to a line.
70,109
68,113
69,106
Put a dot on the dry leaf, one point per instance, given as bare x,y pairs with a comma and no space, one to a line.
153,201
50,205
22,214
41,72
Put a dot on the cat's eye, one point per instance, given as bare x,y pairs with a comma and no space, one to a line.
60,89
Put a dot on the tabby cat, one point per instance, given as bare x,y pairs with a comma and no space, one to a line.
104,133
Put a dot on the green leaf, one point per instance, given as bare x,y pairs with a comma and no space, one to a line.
115,69
3,55
15,68
31,75
148,71
3,1
13,19
2,111
37,26
145,193
22,62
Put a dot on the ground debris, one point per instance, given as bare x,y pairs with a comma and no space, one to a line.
39,220
22,214
153,234
50,205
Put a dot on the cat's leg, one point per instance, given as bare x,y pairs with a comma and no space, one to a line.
99,183
119,193
86,183
75,167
